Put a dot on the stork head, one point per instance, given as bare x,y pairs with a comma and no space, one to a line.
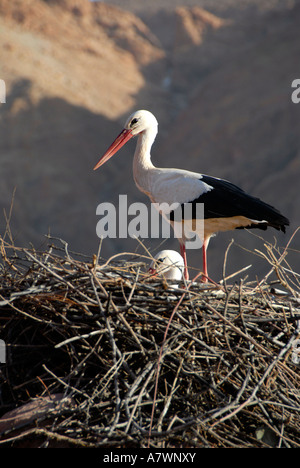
167,264
138,122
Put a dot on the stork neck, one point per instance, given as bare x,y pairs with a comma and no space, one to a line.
142,163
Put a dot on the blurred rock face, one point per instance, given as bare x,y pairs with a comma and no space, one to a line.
218,82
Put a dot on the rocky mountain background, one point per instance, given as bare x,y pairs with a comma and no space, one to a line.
217,75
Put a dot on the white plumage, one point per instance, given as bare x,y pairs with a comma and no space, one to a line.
168,264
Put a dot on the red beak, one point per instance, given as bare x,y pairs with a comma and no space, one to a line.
152,271
121,139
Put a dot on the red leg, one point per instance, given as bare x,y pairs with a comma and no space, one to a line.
183,254
204,276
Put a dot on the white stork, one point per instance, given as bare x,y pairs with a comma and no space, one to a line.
226,206
168,264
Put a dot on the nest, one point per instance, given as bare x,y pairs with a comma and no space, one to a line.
97,354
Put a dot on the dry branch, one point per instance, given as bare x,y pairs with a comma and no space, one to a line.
141,363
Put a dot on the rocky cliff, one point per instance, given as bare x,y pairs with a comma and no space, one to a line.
219,83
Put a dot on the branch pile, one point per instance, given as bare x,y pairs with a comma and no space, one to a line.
97,354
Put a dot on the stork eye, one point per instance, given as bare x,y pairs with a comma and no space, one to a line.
160,260
133,122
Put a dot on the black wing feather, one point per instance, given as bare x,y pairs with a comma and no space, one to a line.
226,200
